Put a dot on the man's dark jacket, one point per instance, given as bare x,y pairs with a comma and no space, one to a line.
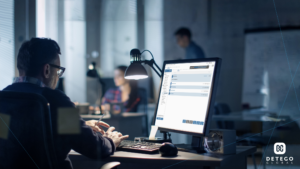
87,143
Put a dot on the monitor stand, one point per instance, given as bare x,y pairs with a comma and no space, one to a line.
161,140
195,146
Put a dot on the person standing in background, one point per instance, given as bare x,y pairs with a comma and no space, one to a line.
183,37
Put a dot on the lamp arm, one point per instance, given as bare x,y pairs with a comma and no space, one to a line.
102,85
157,66
151,63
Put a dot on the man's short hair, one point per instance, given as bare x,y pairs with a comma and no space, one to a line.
34,54
184,32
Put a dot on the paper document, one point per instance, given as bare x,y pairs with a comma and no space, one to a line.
153,132
68,121
4,124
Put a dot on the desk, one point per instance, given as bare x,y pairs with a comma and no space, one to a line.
183,160
132,124
249,116
288,132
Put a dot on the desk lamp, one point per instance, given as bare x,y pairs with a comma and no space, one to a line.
92,72
136,71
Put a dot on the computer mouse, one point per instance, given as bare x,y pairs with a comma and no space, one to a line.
168,149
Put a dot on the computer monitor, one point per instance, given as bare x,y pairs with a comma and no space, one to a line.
186,96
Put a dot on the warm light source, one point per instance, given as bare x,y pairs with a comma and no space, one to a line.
136,70
91,67
92,73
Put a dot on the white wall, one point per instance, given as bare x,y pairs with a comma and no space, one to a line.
118,34
218,27
75,49
64,21
154,36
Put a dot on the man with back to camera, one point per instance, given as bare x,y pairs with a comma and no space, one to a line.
39,68
193,51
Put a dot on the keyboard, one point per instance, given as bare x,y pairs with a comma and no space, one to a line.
139,147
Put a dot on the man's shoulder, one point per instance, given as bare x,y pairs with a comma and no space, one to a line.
57,97
198,51
54,97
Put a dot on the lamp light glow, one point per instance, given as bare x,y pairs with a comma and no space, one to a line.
91,67
136,70
136,77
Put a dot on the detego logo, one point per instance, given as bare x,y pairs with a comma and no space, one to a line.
279,150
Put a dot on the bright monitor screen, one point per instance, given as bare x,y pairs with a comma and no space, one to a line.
185,96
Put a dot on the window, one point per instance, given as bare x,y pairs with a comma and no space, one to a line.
6,43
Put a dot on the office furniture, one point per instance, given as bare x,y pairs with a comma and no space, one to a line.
182,160
29,113
108,83
111,165
249,116
127,123
142,107
226,119
223,109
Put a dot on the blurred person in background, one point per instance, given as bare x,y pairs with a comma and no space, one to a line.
183,37
126,94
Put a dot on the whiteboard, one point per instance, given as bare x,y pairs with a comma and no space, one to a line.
267,71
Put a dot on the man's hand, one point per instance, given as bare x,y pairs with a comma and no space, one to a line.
97,126
116,137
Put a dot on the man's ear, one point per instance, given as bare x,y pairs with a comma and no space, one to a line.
46,71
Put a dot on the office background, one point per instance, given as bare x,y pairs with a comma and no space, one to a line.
242,33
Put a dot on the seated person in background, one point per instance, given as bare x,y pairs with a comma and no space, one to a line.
39,68
125,93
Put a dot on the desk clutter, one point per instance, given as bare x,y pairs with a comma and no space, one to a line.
220,142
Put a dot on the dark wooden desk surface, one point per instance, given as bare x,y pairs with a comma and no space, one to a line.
183,160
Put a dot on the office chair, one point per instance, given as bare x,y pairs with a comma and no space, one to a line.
108,83
224,109
29,113
111,165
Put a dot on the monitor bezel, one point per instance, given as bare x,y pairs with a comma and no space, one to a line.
210,109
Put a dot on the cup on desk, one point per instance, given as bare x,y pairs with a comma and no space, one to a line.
121,106
94,110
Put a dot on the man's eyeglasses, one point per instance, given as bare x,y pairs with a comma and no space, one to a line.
61,70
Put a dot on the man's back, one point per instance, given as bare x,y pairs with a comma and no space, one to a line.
193,51
88,143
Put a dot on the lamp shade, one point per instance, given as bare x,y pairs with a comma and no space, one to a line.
136,71
92,72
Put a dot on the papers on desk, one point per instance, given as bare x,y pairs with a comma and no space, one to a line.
131,114
107,116
153,132
4,125
267,118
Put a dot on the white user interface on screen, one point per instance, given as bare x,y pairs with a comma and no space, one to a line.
185,96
